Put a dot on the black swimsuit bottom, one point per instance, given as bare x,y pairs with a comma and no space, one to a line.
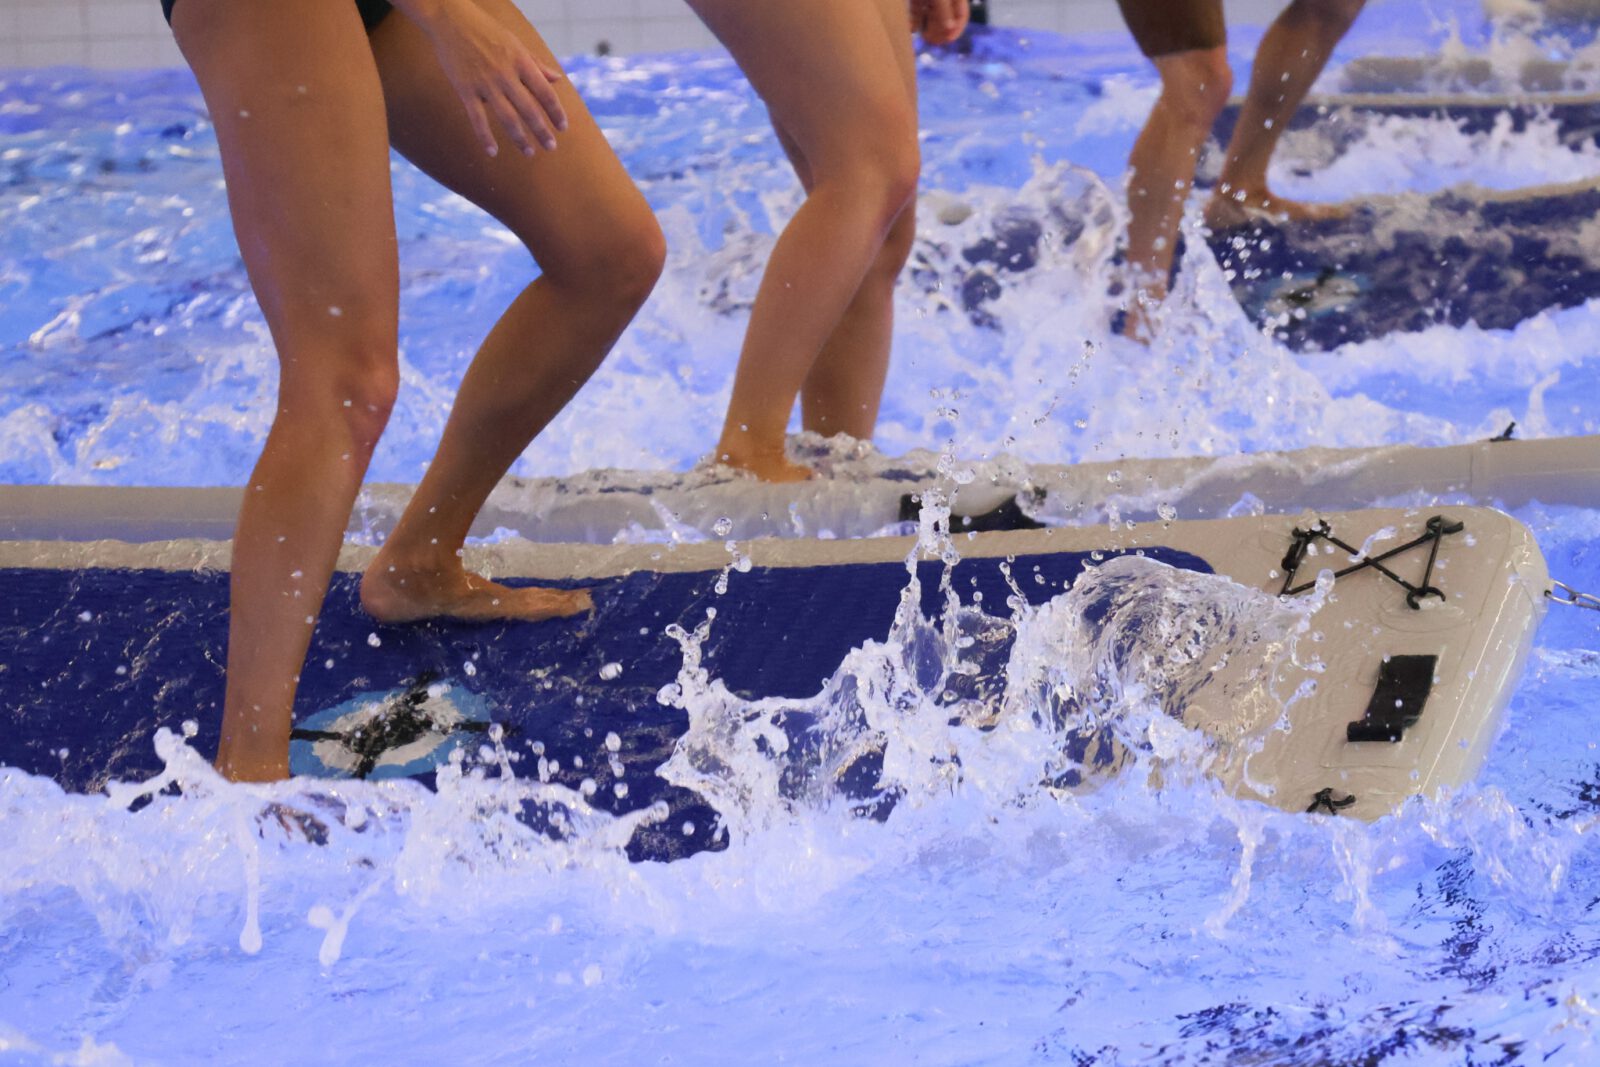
372,11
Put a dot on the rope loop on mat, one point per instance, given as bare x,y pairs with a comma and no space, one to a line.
1301,542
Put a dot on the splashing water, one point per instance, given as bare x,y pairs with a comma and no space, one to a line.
978,821
987,838
118,268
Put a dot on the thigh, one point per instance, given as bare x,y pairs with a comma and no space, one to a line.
1163,27
565,205
297,105
892,14
832,73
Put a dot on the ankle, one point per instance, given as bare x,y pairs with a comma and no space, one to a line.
403,557
1241,190
742,450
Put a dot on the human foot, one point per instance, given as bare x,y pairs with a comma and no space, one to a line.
767,466
393,592
1230,207
1137,310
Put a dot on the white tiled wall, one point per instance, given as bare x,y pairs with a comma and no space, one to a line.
97,33
132,33
575,26
1059,15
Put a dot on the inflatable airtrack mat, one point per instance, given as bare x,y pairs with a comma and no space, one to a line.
1575,115
879,496
1405,263
104,643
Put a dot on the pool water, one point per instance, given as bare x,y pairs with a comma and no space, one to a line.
988,920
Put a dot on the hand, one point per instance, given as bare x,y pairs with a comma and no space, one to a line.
939,21
496,75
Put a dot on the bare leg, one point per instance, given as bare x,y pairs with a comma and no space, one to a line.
296,101
600,252
828,74
843,391
1291,57
845,387
1194,88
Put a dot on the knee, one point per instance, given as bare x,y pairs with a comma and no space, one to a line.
1345,12
1335,16
366,398
367,409
896,247
896,169
351,384
880,171
623,261
1198,90
640,256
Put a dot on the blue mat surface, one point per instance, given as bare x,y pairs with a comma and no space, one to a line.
97,660
1489,263
1458,261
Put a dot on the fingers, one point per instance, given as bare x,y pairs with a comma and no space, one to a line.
479,117
536,80
527,109
514,120
501,83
